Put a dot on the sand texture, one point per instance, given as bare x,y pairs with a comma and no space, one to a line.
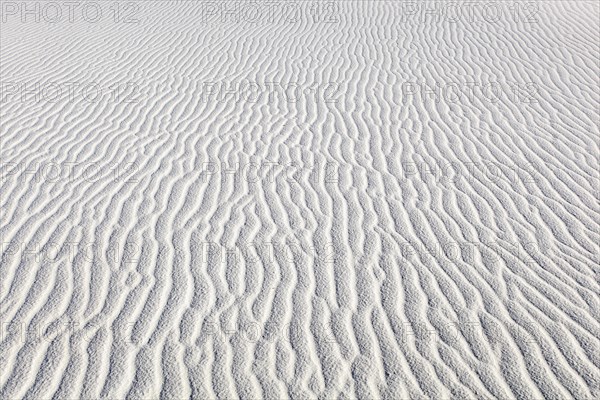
322,200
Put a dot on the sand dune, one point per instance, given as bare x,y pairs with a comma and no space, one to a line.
332,200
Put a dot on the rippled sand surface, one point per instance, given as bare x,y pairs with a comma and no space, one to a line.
322,200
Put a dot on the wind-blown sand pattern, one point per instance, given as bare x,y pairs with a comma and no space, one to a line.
345,235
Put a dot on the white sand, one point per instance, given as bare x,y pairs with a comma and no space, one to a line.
282,209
